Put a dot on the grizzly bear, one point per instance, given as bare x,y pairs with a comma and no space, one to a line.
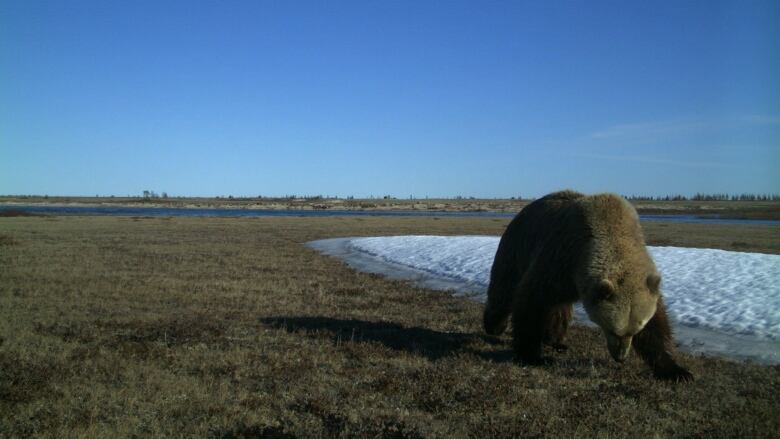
569,247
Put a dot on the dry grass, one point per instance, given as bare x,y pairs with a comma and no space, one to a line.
233,328
757,239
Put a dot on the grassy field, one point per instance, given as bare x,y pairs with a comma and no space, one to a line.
228,327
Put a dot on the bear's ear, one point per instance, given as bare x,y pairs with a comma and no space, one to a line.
653,282
604,290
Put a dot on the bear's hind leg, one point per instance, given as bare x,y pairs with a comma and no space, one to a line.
556,324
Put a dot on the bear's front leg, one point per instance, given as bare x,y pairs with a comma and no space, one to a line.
654,344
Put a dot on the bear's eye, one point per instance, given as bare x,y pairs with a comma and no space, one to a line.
653,282
604,291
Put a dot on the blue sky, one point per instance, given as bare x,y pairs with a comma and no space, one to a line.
422,98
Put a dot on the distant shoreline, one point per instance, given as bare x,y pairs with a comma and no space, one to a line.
737,210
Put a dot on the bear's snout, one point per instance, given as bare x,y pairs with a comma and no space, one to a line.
618,346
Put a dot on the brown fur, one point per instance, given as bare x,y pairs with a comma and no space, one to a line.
568,247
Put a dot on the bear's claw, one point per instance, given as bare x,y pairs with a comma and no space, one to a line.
559,347
675,373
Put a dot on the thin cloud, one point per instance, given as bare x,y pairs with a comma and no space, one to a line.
649,129
670,128
761,119
653,160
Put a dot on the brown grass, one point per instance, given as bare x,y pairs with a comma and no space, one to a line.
233,328
758,239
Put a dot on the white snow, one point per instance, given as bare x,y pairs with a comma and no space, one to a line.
719,301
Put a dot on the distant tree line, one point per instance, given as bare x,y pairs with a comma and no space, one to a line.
153,194
707,197
310,197
150,194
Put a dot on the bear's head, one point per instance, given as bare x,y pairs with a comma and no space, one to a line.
622,306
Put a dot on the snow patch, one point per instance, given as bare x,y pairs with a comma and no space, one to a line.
719,301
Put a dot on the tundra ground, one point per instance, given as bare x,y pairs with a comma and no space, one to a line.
232,327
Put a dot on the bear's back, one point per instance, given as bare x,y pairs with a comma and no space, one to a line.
610,217
541,220
550,231
616,240
558,228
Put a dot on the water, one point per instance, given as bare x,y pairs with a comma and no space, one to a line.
707,220
222,212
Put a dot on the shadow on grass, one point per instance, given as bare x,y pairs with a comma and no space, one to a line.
243,431
11,213
418,341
